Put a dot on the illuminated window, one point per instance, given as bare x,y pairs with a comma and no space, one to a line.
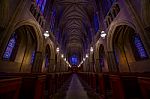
52,23
116,57
46,61
41,4
140,50
10,48
32,57
74,60
101,61
96,23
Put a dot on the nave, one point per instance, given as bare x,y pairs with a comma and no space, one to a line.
82,49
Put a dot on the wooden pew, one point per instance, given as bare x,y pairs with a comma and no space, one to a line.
32,86
125,86
9,87
144,83
50,85
104,85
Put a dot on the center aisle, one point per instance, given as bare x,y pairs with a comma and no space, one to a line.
76,90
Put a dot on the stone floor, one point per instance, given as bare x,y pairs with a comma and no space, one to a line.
75,89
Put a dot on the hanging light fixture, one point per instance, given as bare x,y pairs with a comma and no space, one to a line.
91,49
46,34
103,34
57,49
62,55
87,55
64,59
83,59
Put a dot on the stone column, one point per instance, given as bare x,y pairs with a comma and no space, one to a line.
98,67
51,65
111,62
37,65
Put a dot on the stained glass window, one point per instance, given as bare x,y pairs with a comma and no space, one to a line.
96,23
74,60
139,47
46,61
32,57
10,47
41,4
116,57
102,61
52,23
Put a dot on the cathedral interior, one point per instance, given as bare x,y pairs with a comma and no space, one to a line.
74,49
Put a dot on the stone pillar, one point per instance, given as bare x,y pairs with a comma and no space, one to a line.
111,62
37,65
51,65
98,67
84,67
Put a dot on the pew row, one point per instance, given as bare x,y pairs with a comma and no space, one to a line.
32,85
119,85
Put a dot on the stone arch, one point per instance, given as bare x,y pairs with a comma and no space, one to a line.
47,56
26,44
52,57
38,33
109,47
97,47
112,29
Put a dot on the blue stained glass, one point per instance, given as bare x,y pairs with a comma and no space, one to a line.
40,3
32,57
139,47
96,23
37,1
53,20
43,6
116,57
74,60
10,48
102,61
47,61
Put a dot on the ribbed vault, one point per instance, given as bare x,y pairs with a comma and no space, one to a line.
74,25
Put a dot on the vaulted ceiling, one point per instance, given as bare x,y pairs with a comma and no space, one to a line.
74,24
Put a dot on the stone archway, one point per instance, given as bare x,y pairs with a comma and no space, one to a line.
23,52
52,57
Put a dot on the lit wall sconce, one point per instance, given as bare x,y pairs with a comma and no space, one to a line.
103,34
46,34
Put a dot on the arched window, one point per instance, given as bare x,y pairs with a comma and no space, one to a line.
139,48
101,55
96,22
46,61
52,22
116,57
74,60
9,51
41,4
32,57
47,56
